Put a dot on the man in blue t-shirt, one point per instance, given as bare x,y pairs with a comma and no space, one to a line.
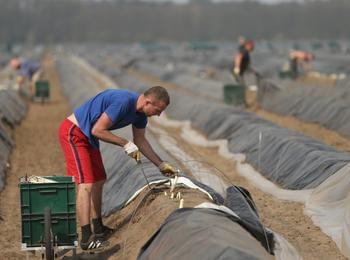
79,136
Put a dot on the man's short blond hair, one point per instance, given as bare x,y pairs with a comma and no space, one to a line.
160,93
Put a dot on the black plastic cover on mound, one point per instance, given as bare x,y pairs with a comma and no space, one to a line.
240,201
12,110
283,156
202,233
286,157
12,107
327,106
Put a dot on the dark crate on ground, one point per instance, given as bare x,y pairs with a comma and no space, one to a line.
42,90
60,197
234,94
286,74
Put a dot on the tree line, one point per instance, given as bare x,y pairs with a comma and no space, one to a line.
55,21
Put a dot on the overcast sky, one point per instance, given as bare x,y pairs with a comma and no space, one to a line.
262,1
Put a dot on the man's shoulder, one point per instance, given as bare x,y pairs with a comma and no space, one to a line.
119,92
119,96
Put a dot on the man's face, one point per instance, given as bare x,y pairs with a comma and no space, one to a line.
153,106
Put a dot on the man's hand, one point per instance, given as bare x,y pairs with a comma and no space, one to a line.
132,150
167,169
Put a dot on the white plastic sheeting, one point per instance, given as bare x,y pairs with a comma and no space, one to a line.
329,208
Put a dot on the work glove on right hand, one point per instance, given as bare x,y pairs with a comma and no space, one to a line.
168,169
236,75
133,151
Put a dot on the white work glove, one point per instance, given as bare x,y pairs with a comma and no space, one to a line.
168,170
236,71
132,150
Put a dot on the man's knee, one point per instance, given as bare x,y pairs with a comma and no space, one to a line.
85,188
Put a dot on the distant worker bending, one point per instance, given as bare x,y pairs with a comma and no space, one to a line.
27,70
299,60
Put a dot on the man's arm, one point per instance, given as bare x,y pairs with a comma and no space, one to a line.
102,132
238,60
144,146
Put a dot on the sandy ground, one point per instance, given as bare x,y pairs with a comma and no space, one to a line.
37,152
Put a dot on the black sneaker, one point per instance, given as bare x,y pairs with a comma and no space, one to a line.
107,232
94,244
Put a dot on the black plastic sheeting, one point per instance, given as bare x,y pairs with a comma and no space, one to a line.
288,158
327,106
12,107
12,111
197,233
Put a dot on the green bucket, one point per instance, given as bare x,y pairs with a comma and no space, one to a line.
234,94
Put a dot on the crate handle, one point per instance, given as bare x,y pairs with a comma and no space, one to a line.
48,191
53,221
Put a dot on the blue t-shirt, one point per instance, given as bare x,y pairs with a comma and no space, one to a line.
28,68
119,105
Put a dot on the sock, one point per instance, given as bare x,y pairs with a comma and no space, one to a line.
98,226
85,233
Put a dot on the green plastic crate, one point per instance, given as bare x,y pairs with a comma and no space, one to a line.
60,197
234,94
286,75
42,89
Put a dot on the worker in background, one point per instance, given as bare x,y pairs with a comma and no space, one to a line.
241,41
299,60
242,62
79,135
27,70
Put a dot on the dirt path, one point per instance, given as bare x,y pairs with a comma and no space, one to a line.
37,152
